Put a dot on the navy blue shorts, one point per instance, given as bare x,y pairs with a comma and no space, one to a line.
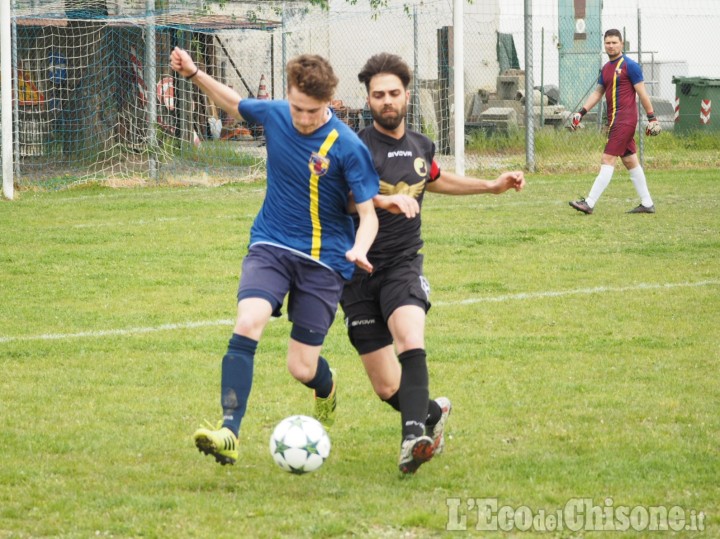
313,290
369,300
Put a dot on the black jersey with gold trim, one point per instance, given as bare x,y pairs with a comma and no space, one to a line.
405,166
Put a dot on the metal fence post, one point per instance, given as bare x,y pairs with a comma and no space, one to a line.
529,101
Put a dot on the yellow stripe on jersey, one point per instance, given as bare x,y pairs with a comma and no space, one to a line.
615,91
315,198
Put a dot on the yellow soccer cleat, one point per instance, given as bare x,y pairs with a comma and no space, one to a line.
325,408
220,443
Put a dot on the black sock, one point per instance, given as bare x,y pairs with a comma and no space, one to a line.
393,401
414,393
434,413
322,383
434,410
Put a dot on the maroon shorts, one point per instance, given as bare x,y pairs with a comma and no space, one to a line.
621,141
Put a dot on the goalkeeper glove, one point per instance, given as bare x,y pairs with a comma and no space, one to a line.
576,118
653,127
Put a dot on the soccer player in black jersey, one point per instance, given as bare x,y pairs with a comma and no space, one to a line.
385,310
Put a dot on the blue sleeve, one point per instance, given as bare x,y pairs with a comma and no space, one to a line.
361,174
254,110
635,73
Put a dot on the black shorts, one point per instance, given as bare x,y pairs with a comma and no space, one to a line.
313,290
368,300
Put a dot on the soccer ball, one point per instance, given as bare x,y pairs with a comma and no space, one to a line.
299,444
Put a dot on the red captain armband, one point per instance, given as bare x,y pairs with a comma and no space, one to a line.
434,171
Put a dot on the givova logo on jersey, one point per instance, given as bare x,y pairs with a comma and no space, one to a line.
318,164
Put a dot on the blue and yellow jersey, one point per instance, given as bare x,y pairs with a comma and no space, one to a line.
619,78
309,178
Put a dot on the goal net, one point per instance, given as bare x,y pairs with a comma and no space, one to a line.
97,99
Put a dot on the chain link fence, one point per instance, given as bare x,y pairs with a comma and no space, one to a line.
95,100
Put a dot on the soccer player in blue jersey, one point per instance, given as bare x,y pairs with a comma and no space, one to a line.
620,81
385,309
303,243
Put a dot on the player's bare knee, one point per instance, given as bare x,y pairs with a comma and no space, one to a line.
384,390
249,326
411,343
300,370
385,381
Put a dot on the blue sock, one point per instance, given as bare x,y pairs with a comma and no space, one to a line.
322,383
237,375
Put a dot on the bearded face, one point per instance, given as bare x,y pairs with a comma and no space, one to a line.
387,99
390,115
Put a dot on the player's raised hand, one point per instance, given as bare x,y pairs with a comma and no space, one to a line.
181,62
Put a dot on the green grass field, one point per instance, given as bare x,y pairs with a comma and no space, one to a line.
580,352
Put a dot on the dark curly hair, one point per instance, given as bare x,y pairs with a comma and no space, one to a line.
385,63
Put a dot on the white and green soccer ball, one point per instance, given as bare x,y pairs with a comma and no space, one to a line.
299,444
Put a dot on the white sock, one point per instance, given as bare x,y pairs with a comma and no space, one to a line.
600,184
637,175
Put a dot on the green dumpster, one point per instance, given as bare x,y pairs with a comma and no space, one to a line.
695,99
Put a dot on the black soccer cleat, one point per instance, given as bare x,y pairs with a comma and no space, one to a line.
581,205
643,209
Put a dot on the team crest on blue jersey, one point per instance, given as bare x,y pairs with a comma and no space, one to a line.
318,164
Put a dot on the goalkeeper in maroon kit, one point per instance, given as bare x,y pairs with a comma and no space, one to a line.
385,310
621,79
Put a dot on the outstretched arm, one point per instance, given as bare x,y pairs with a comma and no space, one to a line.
450,183
224,97
365,235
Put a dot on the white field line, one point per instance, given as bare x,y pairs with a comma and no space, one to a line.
146,194
144,222
117,332
468,301
579,291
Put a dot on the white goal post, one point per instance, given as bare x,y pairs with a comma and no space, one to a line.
6,121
